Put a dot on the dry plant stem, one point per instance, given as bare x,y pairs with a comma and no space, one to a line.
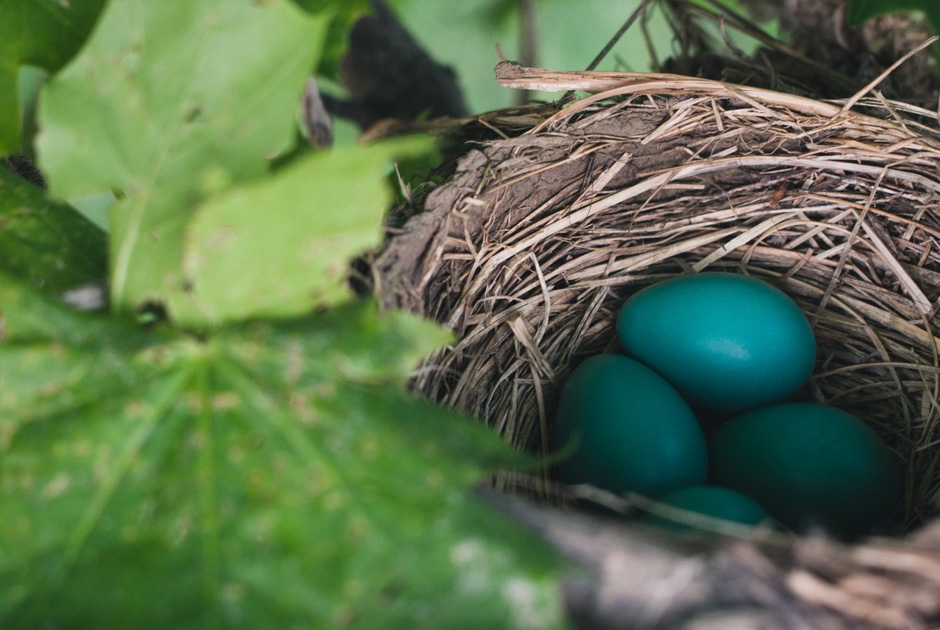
531,248
610,84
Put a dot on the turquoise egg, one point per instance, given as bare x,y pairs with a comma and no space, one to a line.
627,430
808,465
715,501
726,341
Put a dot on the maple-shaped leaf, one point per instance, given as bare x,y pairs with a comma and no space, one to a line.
168,102
266,476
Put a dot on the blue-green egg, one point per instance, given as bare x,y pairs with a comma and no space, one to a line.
714,501
726,341
627,429
809,465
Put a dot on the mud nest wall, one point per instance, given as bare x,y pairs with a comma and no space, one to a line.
528,251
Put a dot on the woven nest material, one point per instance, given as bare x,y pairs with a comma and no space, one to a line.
531,247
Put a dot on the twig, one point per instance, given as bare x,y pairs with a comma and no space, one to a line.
884,75
751,29
616,38
528,42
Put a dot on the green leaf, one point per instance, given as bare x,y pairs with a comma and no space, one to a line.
34,332
27,315
49,244
341,7
29,82
287,239
385,347
861,10
43,33
268,476
168,101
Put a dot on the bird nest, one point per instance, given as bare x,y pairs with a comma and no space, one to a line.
534,242
532,246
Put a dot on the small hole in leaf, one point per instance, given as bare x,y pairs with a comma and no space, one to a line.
192,114
151,313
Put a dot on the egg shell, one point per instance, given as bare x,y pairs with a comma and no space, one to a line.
628,428
809,465
726,341
715,501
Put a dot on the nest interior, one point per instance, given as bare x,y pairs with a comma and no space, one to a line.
531,247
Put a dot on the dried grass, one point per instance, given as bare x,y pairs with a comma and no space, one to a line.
529,250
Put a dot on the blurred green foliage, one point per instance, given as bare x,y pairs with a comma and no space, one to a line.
861,10
38,33
250,458
473,36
